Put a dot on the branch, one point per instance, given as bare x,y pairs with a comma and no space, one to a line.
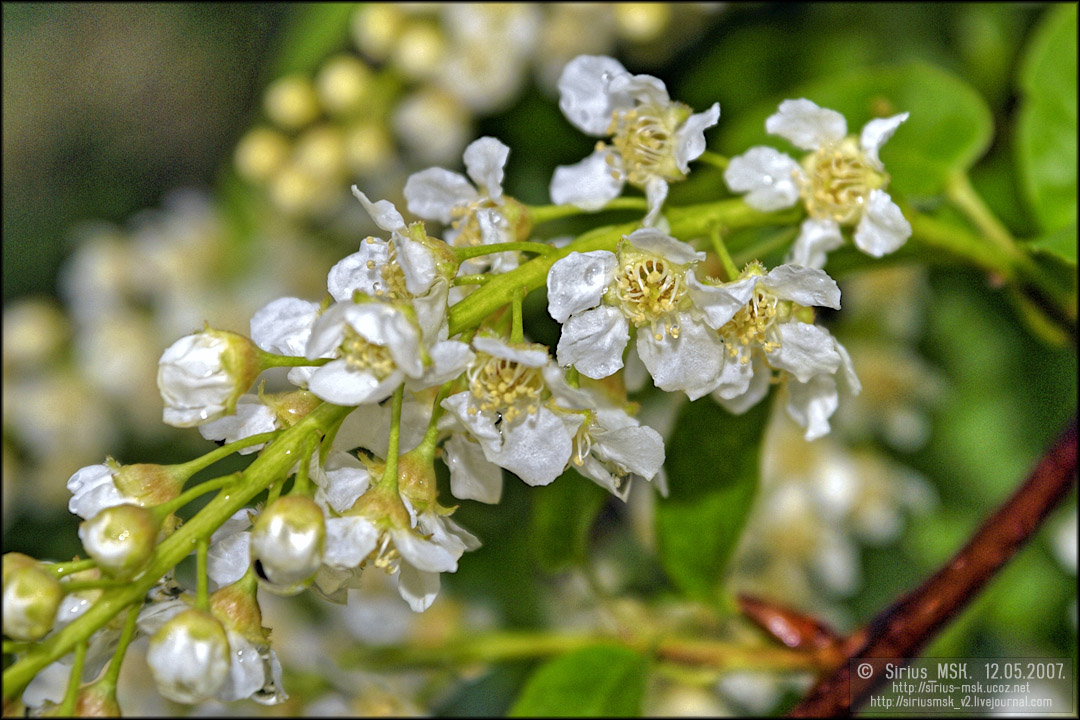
905,627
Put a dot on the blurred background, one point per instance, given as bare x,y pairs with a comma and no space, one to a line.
170,164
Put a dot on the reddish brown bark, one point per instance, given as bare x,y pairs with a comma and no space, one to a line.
907,625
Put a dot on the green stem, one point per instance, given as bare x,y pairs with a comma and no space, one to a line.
11,647
471,279
426,448
69,568
716,235
200,463
390,477
545,213
960,193
80,585
302,483
517,332
71,696
164,509
269,360
714,159
471,251
274,461
202,579
112,676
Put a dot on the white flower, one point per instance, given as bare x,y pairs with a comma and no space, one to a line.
654,138
504,411
610,447
283,326
93,489
841,182
202,375
189,657
252,417
597,296
477,215
765,324
378,348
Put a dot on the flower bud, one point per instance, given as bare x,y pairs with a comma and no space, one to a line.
202,375
97,700
287,543
189,657
121,538
31,597
237,607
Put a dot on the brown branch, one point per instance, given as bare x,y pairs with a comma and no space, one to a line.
904,628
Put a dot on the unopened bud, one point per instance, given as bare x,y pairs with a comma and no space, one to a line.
237,607
189,657
121,538
31,597
97,700
202,375
287,543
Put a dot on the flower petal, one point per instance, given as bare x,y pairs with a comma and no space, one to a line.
283,326
806,125
583,92
690,137
349,540
805,350
577,282
418,588
433,193
535,449
806,286
812,403
338,383
876,132
639,449
252,417
472,476
754,391
768,176
382,212
590,184
719,303
424,554
484,162
532,356
346,480
656,190
653,241
228,559
481,425
816,239
417,264
594,342
883,228
691,362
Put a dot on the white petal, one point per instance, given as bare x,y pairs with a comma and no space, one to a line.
251,418
369,426
424,554
531,356
590,184
806,286
645,89
349,540
847,380
583,92
449,359
755,391
389,327
494,228
383,212
656,190
602,475
361,271
484,162
282,326
417,264
691,363
430,309
876,133
736,377
238,522
690,137
328,332
568,397
653,241
246,675
812,403
92,490
472,477
433,193
346,480
338,383
768,176
578,281
816,239
719,303
638,449
594,342
883,228
418,588
536,449
228,559
805,350
806,125
480,424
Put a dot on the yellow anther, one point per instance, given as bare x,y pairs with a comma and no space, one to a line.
650,289
837,182
504,386
363,355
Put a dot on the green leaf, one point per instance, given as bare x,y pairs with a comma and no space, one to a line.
563,513
1046,122
950,126
712,468
593,682
312,33
1061,244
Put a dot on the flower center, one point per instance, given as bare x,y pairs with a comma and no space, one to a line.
505,386
465,222
385,555
650,290
363,355
393,279
839,179
750,326
645,137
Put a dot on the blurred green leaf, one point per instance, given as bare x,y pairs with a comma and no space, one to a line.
1061,244
593,682
949,129
314,32
562,514
1046,125
712,466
